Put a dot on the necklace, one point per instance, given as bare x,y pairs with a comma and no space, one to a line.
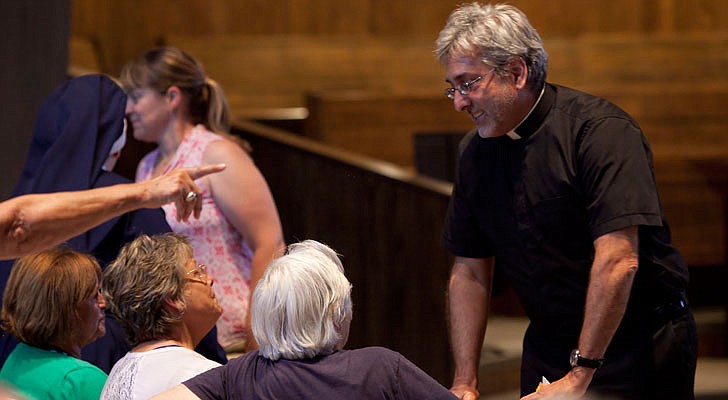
156,344
165,346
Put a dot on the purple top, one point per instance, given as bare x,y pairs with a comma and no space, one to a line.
368,373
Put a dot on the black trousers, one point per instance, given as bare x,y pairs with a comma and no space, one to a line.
653,361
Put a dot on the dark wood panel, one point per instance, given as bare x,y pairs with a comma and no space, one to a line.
387,224
34,59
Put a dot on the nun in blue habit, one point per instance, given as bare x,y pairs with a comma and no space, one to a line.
78,136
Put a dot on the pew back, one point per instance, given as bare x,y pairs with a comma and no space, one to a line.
387,224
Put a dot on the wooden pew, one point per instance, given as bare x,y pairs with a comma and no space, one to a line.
387,224
379,125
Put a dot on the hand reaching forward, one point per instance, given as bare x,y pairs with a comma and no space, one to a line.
465,392
179,186
572,386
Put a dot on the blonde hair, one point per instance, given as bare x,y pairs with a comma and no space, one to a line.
44,292
163,67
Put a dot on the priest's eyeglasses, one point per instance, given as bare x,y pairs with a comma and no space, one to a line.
466,87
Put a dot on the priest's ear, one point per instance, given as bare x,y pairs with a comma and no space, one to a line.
518,70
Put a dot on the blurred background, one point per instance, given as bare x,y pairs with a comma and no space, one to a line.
343,104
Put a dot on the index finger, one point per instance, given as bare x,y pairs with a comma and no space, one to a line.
199,172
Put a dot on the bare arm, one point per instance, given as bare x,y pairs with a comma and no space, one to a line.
469,299
179,392
242,194
610,283
34,222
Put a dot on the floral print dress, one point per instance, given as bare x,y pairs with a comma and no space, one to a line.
215,242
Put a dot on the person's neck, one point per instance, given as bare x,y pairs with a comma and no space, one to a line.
170,140
176,337
72,349
523,105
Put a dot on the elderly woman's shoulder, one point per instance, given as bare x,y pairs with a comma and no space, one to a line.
375,354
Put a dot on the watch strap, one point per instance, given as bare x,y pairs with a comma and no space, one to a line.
578,360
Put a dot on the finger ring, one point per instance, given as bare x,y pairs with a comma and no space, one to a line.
191,196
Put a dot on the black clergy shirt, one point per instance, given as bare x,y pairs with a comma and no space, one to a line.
582,168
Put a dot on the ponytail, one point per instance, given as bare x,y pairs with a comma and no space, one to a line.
218,114
163,67
218,111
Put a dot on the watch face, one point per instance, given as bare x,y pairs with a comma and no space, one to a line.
573,360
577,360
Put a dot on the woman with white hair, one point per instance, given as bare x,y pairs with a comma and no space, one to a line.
301,313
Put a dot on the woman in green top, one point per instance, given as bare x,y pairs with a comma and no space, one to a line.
53,305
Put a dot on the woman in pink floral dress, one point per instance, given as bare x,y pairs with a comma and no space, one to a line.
172,103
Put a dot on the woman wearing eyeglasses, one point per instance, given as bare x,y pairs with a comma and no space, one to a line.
174,104
165,303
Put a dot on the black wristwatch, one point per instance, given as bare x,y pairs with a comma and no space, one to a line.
576,360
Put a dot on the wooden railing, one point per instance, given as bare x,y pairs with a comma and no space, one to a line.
387,224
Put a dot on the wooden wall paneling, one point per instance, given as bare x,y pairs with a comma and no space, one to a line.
83,56
678,121
571,18
327,17
409,18
667,60
127,28
379,125
694,211
276,70
120,29
699,16
663,61
385,222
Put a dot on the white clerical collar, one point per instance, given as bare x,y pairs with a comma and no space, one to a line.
512,133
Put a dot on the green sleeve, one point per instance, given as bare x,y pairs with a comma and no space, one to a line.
84,383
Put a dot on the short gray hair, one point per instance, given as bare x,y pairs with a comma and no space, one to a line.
300,303
495,33
147,271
